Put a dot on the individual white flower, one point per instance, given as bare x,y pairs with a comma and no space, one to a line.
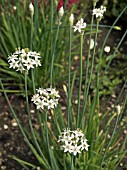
107,49
35,98
46,98
31,8
84,145
71,19
75,149
79,25
67,147
29,63
98,12
50,104
61,12
40,104
23,60
73,141
13,64
20,68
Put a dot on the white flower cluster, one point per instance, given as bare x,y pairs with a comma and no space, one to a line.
46,98
79,25
73,141
23,60
98,12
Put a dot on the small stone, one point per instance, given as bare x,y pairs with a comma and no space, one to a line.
14,123
3,167
37,126
76,58
32,111
5,127
125,131
121,164
38,168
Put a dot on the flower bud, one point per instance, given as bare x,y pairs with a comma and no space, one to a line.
71,19
31,8
61,12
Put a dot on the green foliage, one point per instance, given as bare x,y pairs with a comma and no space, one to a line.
112,77
114,7
38,33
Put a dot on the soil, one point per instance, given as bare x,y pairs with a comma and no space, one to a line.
11,140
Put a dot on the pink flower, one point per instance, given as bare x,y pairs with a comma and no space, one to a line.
69,4
60,4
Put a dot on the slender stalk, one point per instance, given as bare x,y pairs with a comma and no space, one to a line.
31,35
94,104
38,114
69,79
53,55
72,162
29,119
86,76
80,79
47,138
33,81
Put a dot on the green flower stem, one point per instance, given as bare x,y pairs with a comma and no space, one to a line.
38,114
31,36
33,81
53,55
22,131
96,97
72,162
69,79
99,64
86,77
80,79
29,119
47,138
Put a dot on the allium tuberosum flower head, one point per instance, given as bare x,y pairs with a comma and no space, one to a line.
79,25
73,141
23,60
46,98
98,12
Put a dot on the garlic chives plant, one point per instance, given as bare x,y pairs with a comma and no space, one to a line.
75,138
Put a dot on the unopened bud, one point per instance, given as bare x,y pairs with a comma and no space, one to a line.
71,19
31,8
61,12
